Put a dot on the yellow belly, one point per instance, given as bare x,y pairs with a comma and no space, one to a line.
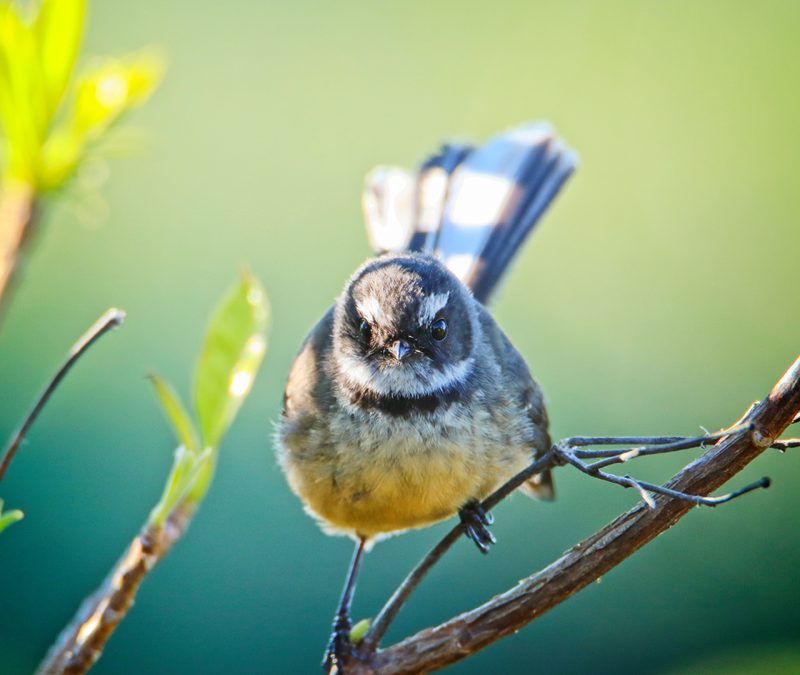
396,488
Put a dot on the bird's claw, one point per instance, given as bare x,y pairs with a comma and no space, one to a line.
476,523
339,648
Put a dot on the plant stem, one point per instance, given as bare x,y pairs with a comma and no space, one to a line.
17,217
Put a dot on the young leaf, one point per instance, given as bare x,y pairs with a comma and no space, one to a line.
24,111
9,517
103,93
61,153
59,27
111,87
358,631
183,466
234,346
176,413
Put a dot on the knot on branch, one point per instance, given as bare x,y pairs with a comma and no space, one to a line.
761,439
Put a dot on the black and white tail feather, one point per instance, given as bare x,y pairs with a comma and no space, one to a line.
471,207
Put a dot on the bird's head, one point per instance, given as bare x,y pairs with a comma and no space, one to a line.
405,327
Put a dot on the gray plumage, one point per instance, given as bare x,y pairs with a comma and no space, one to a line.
407,401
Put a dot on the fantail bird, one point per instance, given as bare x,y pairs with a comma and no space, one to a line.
407,403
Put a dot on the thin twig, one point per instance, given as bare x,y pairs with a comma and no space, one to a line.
455,639
645,488
581,441
786,443
112,318
651,447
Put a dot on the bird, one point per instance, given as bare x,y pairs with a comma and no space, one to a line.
407,404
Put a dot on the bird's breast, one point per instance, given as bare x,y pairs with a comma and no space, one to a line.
383,472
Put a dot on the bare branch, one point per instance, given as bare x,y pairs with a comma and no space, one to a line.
565,452
81,643
647,489
112,318
463,635
652,446
786,443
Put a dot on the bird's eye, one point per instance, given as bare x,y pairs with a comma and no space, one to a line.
439,329
365,330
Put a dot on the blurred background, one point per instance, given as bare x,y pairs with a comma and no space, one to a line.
660,295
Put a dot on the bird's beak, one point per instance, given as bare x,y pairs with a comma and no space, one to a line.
400,349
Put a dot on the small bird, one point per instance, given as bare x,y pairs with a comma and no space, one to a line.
407,404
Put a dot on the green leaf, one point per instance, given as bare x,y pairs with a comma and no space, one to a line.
183,465
39,43
23,108
61,154
103,94
111,87
234,347
9,517
358,631
59,27
176,414
199,480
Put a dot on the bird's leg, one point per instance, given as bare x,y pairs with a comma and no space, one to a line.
476,524
340,644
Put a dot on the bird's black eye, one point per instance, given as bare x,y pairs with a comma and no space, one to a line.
365,330
439,329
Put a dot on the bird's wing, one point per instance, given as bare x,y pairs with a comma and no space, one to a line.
526,393
305,390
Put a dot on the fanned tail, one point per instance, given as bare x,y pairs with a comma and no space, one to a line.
471,207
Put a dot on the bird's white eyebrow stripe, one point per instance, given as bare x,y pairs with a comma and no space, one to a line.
431,305
370,309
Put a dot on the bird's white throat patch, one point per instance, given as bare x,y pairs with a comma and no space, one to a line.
403,380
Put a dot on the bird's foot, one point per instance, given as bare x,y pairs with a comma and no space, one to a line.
476,525
339,648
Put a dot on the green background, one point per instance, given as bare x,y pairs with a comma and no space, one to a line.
660,294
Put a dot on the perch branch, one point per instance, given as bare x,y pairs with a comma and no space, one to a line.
112,318
433,648
565,452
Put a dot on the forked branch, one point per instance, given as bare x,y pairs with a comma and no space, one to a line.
734,448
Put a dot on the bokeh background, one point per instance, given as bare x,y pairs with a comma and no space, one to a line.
659,295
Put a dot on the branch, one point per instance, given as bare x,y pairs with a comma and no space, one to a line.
234,346
111,319
471,631
81,643
565,452
17,218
